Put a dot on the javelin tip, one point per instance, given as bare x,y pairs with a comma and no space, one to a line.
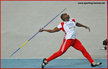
63,10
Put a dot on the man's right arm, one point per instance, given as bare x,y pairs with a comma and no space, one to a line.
56,29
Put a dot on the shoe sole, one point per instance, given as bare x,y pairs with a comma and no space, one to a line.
96,65
42,63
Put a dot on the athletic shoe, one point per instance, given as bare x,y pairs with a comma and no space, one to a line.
94,64
104,48
44,63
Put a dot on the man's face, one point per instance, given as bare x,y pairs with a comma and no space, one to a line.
66,17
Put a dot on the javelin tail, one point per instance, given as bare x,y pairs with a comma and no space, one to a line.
15,52
18,49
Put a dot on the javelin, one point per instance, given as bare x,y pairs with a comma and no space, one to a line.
37,32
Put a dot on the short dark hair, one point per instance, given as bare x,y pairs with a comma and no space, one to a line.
63,15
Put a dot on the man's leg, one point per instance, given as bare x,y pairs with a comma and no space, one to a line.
77,45
65,45
81,48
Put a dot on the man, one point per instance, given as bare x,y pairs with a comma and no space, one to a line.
68,27
105,44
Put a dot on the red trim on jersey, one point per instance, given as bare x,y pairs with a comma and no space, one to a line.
62,27
73,20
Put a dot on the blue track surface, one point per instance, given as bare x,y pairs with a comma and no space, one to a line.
57,63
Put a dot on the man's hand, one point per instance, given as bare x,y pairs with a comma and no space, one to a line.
87,28
41,30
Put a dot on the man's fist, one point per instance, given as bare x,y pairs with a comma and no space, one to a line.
87,28
40,30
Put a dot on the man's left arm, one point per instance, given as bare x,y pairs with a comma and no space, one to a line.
80,25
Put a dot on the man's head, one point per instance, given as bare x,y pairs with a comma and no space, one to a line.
65,17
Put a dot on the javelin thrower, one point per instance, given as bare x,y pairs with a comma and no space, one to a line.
68,26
